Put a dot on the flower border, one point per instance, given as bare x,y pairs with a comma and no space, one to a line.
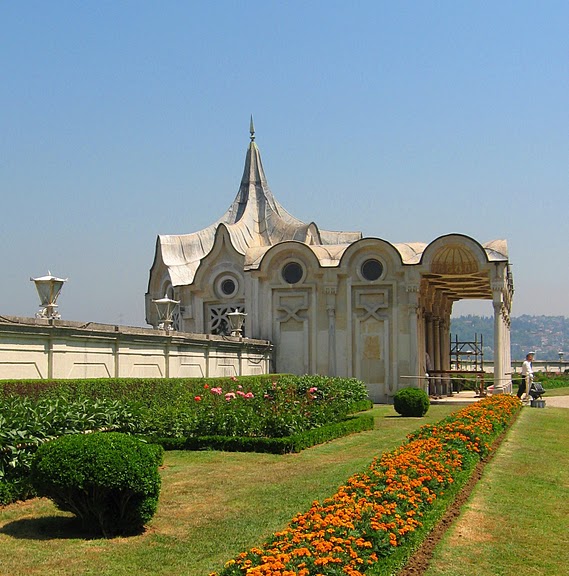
381,509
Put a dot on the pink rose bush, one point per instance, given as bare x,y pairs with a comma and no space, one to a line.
258,407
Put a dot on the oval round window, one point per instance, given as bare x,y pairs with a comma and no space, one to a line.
372,269
292,273
228,287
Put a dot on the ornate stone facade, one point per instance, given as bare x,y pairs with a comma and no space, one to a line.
331,302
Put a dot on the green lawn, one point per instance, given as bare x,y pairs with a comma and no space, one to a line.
556,392
213,505
216,504
517,519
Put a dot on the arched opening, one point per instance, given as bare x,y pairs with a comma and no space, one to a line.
459,279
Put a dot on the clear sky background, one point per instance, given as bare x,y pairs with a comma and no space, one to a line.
122,120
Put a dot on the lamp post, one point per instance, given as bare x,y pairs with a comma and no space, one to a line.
49,288
236,321
165,308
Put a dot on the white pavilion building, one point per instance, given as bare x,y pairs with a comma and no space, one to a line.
332,303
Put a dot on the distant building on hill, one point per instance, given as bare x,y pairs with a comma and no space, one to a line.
332,303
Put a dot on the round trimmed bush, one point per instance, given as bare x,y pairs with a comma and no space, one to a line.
411,402
109,480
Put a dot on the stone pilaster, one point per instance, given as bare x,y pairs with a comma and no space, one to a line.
330,291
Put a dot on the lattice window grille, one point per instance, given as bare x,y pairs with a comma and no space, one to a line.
176,319
218,320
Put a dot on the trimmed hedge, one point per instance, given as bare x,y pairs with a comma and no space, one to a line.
411,402
27,423
130,389
16,489
552,381
284,445
253,406
225,413
109,480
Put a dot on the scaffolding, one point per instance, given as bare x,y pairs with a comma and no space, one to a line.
466,368
467,363
467,356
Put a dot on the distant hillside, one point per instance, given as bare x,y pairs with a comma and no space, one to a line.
546,335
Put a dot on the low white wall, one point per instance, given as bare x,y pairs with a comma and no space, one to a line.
39,348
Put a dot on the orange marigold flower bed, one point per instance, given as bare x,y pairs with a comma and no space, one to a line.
375,511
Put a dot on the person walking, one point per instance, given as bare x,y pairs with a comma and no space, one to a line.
527,377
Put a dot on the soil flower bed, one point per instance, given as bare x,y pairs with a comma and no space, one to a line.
379,512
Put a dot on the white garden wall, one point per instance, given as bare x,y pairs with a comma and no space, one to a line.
39,348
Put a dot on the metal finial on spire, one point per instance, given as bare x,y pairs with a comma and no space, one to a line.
252,129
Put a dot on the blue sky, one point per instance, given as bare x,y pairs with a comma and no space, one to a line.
122,120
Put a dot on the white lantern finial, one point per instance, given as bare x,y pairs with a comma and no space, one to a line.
48,287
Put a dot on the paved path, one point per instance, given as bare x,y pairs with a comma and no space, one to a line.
464,397
468,397
556,401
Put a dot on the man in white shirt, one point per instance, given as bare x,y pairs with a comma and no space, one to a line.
527,376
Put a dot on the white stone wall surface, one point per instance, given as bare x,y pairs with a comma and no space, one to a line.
33,348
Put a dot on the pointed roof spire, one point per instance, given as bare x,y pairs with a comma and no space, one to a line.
252,129
254,221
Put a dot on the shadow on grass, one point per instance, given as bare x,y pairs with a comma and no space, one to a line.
47,528
51,528
398,416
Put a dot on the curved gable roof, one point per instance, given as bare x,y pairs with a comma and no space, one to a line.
254,220
412,252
